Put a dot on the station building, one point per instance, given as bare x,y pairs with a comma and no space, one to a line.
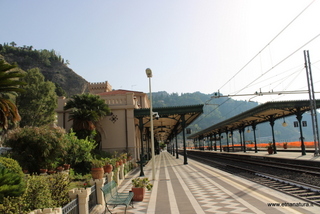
119,131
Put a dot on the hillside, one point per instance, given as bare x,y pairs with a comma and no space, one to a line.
52,66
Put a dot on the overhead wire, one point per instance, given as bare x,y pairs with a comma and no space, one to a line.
267,45
281,61
262,81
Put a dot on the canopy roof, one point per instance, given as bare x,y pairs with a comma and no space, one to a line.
259,114
169,122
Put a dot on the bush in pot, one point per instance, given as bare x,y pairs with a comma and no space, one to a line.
139,186
108,166
97,171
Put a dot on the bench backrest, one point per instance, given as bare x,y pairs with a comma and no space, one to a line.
109,190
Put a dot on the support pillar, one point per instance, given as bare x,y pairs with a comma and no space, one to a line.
215,142
173,152
220,141
254,126
299,118
121,172
271,119
232,143
244,139
116,176
109,176
100,197
227,139
83,197
142,153
177,153
240,133
185,159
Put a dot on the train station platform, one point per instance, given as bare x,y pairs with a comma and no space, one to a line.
281,153
196,189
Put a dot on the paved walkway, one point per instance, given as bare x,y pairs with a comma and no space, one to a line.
196,188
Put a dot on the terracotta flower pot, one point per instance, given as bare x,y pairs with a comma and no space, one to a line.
97,173
50,172
138,193
66,166
108,168
43,170
60,168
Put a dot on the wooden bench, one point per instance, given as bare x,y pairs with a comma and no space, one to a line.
113,198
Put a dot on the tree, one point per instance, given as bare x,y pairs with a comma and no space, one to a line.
9,86
37,147
13,44
59,91
86,111
37,106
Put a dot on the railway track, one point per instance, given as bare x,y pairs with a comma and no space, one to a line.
301,190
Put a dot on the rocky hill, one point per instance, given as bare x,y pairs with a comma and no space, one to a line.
51,65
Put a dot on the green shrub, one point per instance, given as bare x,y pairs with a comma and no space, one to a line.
77,150
78,153
41,192
38,195
11,165
59,188
13,205
11,184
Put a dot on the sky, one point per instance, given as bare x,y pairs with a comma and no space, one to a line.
236,47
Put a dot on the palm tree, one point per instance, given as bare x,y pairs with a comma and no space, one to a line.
86,111
9,85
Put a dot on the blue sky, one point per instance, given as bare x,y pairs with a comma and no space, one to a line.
190,45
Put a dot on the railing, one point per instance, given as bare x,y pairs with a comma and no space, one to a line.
72,207
93,198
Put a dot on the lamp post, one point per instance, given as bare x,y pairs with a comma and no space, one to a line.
149,75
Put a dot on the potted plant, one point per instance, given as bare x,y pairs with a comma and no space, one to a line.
66,166
97,171
139,186
60,168
285,145
43,168
124,157
119,161
52,168
113,162
108,166
129,157
269,148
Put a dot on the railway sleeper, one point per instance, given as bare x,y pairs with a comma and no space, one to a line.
299,191
313,197
288,188
278,186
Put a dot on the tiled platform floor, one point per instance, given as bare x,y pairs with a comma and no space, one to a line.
197,188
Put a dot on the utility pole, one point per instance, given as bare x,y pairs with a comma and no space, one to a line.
313,104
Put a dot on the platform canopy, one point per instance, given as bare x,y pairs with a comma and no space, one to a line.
259,114
170,120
